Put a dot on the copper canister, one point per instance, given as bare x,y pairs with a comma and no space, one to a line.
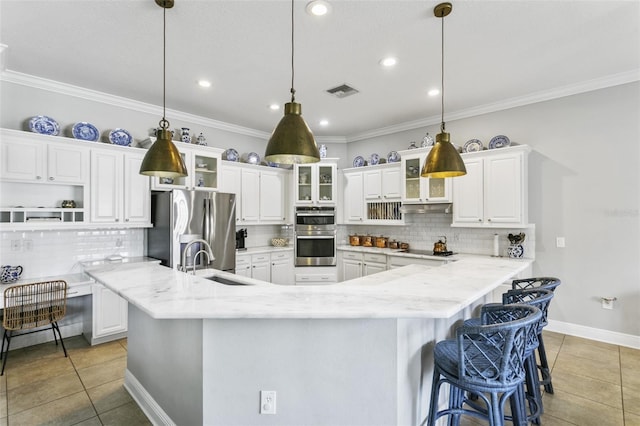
367,241
381,242
393,244
354,240
404,246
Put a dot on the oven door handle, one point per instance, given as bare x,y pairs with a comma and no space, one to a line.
315,214
316,237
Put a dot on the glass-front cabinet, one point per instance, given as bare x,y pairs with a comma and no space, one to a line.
315,183
419,190
202,165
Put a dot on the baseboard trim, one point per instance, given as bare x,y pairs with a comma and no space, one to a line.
591,333
145,401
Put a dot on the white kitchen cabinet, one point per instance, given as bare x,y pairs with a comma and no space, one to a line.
282,269
202,165
39,161
261,192
243,265
493,193
356,264
373,263
107,318
261,267
119,193
382,183
419,190
353,205
315,183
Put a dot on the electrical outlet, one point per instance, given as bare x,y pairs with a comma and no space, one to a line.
28,245
267,402
560,242
16,245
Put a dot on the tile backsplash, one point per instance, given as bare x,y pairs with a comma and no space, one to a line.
44,253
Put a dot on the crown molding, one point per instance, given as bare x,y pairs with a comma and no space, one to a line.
547,95
121,102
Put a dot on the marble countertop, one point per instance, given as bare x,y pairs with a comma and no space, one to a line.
395,252
262,249
414,291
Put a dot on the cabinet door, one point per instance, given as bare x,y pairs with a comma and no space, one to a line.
326,178
261,271
250,195
411,185
468,195
109,312
304,185
282,271
137,194
353,198
391,184
351,269
106,186
372,185
231,181
503,194
369,268
67,164
23,161
243,266
272,196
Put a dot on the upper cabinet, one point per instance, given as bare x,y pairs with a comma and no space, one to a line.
202,164
382,183
372,195
261,192
419,190
493,193
315,183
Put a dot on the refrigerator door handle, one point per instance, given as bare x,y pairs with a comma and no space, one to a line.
208,219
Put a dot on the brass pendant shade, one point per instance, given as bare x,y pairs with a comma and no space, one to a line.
292,141
443,160
163,158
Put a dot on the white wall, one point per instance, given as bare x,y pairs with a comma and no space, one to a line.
584,185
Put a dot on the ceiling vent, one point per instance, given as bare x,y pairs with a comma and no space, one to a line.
342,91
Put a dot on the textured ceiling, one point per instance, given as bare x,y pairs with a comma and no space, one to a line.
495,51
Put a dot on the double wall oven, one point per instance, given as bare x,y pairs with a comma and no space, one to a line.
315,236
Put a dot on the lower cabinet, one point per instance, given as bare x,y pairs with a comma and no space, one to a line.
261,267
356,264
400,261
107,318
282,271
275,267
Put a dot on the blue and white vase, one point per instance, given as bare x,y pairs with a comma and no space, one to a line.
323,151
185,136
515,251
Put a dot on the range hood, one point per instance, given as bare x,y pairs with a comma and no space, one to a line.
426,208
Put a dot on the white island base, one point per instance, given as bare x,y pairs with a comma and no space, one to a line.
325,371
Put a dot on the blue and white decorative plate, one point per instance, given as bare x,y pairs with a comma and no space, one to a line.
120,137
473,145
375,159
44,125
85,131
230,155
427,141
499,141
252,158
358,161
393,157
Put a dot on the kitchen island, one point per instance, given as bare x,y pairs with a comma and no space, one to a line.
356,353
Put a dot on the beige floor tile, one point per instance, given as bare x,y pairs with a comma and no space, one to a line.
3,383
69,410
631,400
129,414
548,420
4,421
629,353
569,363
552,340
580,411
93,421
36,369
95,355
109,396
631,419
602,352
3,406
631,378
123,342
588,388
37,393
106,372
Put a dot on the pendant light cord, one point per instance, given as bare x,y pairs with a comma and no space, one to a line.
293,91
442,126
164,124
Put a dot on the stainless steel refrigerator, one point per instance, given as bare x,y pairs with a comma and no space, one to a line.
180,215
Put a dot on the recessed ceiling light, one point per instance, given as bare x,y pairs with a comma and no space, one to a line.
324,122
274,107
318,8
204,83
388,62
433,92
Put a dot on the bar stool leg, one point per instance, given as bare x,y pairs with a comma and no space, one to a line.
6,355
544,366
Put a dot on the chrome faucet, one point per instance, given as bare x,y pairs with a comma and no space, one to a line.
207,250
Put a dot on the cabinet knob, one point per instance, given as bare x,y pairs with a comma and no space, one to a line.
488,220
117,220
480,220
51,178
126,220
38,177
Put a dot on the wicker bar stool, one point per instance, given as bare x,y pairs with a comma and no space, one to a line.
487,361
547,283
30,306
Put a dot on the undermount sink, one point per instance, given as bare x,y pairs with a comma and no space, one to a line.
225,281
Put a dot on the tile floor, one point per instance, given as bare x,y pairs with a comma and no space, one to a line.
595,384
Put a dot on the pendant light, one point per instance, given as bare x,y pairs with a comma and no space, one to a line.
443,160
163,158
292,141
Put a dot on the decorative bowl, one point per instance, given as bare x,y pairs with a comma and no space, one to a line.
279,242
